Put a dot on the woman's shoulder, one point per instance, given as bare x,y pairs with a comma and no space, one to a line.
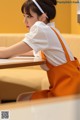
38,24
41,26
38,27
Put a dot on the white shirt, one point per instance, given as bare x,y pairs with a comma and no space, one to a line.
42,38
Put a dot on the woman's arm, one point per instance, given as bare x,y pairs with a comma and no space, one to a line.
14,50
30,53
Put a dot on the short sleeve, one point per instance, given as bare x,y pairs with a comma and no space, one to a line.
37,38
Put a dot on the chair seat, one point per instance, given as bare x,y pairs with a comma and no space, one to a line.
17,80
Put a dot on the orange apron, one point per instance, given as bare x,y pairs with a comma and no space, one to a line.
64,79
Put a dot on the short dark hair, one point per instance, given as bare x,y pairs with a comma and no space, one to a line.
48,7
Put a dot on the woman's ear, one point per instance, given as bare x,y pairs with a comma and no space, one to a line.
42,17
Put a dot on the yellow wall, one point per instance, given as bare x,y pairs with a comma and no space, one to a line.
63,18
75,26
11,18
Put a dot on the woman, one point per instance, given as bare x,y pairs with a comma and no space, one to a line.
61,66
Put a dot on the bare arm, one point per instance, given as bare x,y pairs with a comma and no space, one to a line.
14,50
30,53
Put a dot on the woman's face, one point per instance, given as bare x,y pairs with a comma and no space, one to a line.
30,20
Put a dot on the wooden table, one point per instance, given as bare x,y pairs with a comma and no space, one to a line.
20,62
13,63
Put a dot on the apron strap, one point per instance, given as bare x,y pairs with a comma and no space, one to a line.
63,46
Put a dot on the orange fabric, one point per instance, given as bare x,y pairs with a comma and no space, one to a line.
64,79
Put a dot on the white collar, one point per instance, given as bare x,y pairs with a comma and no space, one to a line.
51,24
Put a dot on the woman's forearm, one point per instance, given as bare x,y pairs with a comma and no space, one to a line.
17,49
3,52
